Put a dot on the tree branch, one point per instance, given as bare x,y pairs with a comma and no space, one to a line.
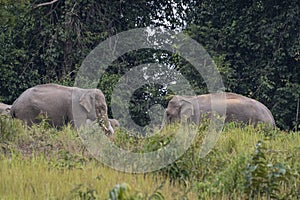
45,4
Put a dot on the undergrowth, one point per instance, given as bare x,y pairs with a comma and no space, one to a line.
245,163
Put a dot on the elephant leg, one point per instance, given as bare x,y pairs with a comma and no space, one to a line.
30,117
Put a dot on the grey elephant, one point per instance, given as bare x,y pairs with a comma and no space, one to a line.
62,105
114,123
4,109
238,108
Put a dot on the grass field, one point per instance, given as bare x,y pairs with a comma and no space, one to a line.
44,163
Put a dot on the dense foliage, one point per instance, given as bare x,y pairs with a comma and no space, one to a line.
256,45
261,42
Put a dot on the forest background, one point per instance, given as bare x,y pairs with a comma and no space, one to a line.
255,44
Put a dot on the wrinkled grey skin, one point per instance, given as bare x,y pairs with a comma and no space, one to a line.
238,109
114,123
4,109
55,103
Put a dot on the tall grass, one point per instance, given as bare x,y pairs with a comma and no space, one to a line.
247,163
36,179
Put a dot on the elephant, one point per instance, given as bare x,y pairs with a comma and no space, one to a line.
114,123
62,105
4,109
238,109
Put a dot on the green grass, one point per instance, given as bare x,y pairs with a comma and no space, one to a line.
37,179
246,163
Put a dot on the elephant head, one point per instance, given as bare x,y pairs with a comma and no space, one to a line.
181,108
4,109
93,101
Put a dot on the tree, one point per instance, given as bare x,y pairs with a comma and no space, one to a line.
255,45
260,41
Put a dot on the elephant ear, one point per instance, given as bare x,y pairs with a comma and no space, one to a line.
86,101
187,109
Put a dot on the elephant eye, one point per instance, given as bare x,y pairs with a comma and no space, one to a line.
168,114
102,107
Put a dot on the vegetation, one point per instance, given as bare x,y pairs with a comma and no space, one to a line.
256,47
255,44
44,163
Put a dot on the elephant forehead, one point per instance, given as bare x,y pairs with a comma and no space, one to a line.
99,96
172,108
171,111
173,102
